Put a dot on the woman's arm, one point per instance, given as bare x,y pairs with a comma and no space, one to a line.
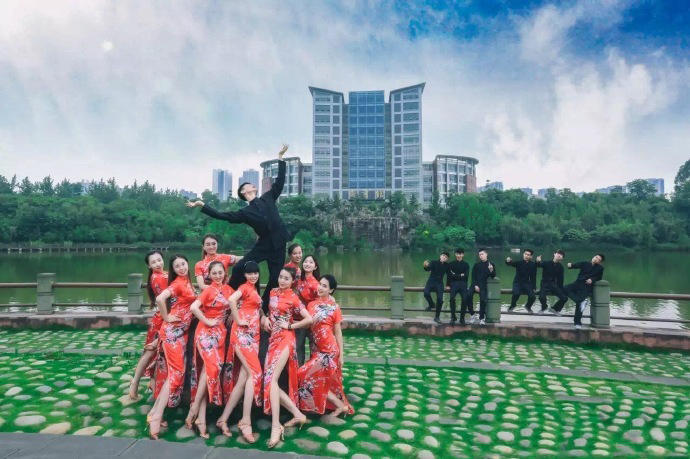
232,301
306,319
196,310
201,283
338,332
163,308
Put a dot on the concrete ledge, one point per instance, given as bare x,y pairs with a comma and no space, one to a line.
652,338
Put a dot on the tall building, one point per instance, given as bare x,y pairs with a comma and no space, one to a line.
454,175
492,186
189,195
250,176
527,191
367,147
222,184
293,175
657,183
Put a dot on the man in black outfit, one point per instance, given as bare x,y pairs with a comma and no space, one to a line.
458,272
262,215
437,269
552,282
481,271
525,280
582,288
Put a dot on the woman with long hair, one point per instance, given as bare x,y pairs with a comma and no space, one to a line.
209,254
245,305
210,374
156,282
321,378
294,252
283,307
306,289
170,366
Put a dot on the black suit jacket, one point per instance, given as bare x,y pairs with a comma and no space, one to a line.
262,215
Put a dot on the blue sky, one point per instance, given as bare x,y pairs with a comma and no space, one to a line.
577,94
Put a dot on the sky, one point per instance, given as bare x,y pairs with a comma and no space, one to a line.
578,94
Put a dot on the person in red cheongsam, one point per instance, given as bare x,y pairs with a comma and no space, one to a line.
210,373
283,307
307,285
155,284
245,305
294,252
170,365
209,254
320,380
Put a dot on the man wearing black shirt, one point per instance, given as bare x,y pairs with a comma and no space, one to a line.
552,282
437,269
262,216
525,280
481,272
458,272
581,289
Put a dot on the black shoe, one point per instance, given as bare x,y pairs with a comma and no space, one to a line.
462,322
529,311
437,320
452,322
510,308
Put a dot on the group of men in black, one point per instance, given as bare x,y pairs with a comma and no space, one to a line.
524,283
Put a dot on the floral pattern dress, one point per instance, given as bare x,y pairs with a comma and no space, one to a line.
307,289
283,306
159,282
209,346
322,373
298,272
201,266
245,340
173,341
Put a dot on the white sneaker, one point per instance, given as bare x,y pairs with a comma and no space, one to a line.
577,327
583,305
474,318
482,322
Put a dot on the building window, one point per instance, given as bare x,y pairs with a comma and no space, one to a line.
397,107
398,173
336,109
336,130
336,183
411,117
397,139
336,99
398,183
396,118
336,162
336,151
322,129
398,161
398,150
411,139
322,108
396,97
322,141
410,96
336,119
336,140
396,129
411,105
411,127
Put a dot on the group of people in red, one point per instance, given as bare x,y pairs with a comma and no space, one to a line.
223,365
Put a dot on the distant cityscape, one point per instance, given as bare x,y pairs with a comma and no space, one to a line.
370,148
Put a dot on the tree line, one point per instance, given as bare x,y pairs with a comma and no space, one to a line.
49,212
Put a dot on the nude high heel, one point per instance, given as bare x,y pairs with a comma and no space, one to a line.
271,444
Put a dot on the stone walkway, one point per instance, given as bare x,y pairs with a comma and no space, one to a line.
38,446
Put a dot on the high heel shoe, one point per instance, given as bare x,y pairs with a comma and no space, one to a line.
345,411
189,421
272,443
224,429
149,423
202,431
246,430
295,421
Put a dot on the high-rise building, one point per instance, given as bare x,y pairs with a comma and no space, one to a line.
250,176
189,195
492,186
222,184
454,175
527,191
293,175
367,147
657,183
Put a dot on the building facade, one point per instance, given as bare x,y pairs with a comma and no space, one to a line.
454,175
222,184
293,175
250,176
492,186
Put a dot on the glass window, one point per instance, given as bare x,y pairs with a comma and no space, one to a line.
336,162
398,150
411,127
411,139
322,118
379,119
362,120
379,109
370,98
336,140
379,141
411,117
397,139
322,129
336,98
371,109
362,131
336,109
371,130
396,129
336,152
379,131
336,119
379,98
371,194
336,184
396,117
398,183
398,161
371,119
397,107
353,120
397,96
322,108
411,96
411,105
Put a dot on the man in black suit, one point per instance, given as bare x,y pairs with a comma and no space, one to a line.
481,272
583,287
552,282
437,269
458,273
262,215
525,280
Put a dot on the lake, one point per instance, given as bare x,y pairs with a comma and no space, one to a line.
630,271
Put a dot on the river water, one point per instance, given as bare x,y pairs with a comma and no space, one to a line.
629,271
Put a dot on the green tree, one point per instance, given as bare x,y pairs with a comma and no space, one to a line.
26,187
641,190
45,186
682,176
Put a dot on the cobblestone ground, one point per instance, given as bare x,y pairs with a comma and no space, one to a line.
401,410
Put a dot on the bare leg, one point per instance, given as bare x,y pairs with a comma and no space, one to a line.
144,361
156,414
235,395
275,389
341,407
198,400
200,421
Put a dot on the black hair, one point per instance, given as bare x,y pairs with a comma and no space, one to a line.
292,247
531,252
459,250
446,254
332,283
291,270
239,190
149,287
251,267
561,252
316,274
601,255
214,263
482,250
203,239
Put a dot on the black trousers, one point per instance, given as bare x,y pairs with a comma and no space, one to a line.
275,259
301,344
458,288
551,288
522,289
434,286
578,292
483,297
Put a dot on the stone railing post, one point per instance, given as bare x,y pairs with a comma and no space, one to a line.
493,301
397,297
134,293
601,305
45,296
